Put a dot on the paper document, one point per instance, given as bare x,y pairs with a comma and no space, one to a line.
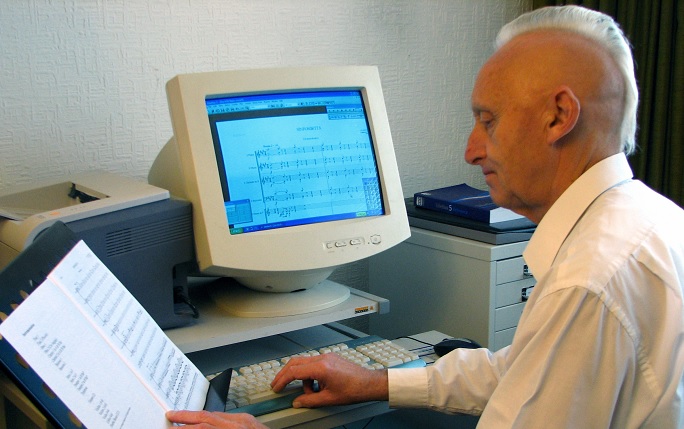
98,349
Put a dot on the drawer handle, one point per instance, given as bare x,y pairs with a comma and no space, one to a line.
526,272
526,292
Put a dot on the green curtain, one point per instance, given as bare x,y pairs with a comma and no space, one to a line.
653,27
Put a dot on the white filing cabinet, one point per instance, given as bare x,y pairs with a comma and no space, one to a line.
451,284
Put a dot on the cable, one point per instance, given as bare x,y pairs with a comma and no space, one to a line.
180,297
364,426
417,340
369,422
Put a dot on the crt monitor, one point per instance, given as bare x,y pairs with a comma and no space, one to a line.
291,173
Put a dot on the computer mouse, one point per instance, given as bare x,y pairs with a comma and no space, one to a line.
449,344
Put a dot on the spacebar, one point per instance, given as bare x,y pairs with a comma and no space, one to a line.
281,402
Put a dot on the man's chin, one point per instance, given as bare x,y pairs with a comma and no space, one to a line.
498,199
495,192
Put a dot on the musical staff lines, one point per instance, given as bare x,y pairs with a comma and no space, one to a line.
314,180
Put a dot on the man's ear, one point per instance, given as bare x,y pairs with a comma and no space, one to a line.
564,113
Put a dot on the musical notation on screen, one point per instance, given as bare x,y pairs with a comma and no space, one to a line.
313,180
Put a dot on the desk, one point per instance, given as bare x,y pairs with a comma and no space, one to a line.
217,341
219,358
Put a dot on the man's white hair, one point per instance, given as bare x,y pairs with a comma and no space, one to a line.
598,27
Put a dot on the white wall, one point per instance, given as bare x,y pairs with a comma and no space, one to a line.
82,81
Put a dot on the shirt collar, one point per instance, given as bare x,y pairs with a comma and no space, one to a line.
566,211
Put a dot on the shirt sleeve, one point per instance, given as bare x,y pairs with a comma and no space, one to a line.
460,382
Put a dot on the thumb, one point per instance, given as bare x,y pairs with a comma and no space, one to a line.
312,400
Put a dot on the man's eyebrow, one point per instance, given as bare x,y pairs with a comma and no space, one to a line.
477,108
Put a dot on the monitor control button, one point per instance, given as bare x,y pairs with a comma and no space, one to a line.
375,239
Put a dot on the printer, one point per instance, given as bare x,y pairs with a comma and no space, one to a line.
141,234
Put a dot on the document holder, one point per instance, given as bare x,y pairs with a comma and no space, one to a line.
21,277
18,280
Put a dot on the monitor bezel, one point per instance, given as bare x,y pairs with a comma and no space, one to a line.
219,253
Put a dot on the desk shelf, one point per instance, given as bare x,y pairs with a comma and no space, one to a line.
216,328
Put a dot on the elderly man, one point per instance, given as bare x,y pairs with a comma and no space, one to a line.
600,343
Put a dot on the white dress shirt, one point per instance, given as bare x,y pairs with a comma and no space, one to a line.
600,343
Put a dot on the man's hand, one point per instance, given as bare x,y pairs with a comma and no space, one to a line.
339,381
209,420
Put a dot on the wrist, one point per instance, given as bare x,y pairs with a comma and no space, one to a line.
379,385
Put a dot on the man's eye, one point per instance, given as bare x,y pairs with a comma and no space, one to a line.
487,121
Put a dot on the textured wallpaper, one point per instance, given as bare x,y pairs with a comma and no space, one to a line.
82,81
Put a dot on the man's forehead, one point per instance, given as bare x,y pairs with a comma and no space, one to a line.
487,89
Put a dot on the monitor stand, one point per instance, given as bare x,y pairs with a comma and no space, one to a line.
240,301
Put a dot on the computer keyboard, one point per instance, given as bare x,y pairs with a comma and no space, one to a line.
250,385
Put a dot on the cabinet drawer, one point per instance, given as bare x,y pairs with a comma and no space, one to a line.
510,270
507,317
503,338
512,293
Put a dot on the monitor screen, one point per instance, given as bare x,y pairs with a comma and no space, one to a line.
294,159
291,172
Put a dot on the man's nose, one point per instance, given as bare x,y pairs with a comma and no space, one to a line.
475,148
